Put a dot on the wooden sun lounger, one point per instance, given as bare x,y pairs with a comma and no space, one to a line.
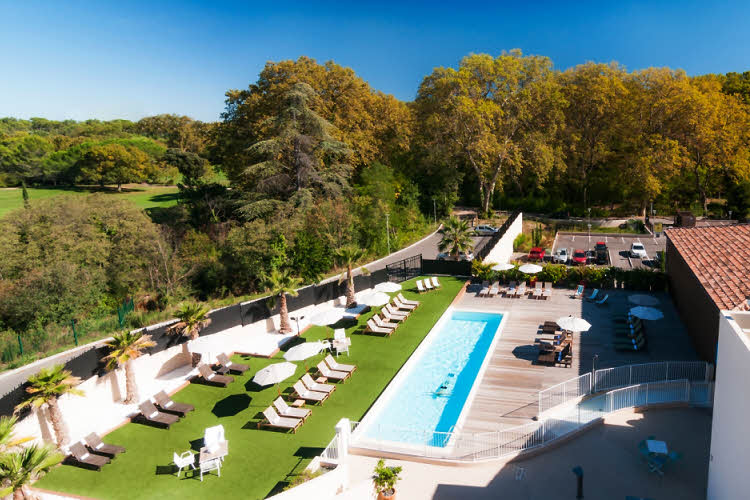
407,301
395,312
420,287
274,420
303,392
332,374
230,365
80,456
96,445
288,411
390,317
151,414
384,324
333,365
400,305
374,328
435,282
208,376
165,403
308,382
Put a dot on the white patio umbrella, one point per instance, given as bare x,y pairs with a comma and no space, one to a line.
375,299
303,351
388,286
273,374
503,267
328,317
530,268
573,324
643,300
648,313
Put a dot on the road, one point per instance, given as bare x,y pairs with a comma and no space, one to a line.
618,245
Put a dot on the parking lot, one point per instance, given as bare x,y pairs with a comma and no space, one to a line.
618,245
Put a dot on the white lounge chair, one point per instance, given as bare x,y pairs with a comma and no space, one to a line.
392,317
400,305
274,420
395,312
435,282
308,381
332,374
407,301
303,392
183,460
493,290
372,327
384,324
485,290
428,285
334,365
287,411
420,287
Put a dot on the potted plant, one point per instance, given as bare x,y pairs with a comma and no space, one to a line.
385,479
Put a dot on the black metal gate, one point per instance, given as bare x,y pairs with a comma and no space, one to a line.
411,267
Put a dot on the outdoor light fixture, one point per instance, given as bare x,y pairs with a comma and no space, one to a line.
297,318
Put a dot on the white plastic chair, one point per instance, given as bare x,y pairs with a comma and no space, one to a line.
210,465
213,437
183,460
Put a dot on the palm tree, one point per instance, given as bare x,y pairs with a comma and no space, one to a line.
456,238
45,389
348,256
8,439
18,469
279,284
124,348
193,318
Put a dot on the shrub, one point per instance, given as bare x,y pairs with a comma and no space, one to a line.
554,273
519,242
303,478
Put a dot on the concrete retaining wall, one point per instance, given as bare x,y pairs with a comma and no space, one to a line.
503,250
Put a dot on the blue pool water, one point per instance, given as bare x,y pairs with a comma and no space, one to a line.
430,398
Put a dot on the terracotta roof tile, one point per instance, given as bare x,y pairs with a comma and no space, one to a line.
719,256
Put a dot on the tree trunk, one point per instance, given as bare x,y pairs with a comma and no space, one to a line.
61,433
286,326
131,388
119,188
350,300
487,200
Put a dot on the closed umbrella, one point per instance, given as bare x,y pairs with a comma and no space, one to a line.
503,267
648,313
273,374
530,268
388,286
375,299
643,300
303,351
573,324
328,317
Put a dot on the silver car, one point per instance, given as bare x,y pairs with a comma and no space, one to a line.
561,256
485,230
638,251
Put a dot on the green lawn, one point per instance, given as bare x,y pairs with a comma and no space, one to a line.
143,196
260,462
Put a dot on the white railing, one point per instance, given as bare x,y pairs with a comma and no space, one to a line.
472,447
571,391
331,453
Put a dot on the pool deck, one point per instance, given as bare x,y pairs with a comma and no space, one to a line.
508,393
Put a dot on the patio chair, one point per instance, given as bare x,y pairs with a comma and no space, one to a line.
548,285
96,445
427,285
210,465
485,290
420,287
493,290
405,301
288,411
579,292
511,289
274,420
227,363
435,282
393,310
183,460
392,318
152,415
332,374
521,290
165,403
339,334
213,438
547,293
308,382
372,327
537,293
80,456
384,324
400,305
303,392
209,377
593,295
602,301
338,366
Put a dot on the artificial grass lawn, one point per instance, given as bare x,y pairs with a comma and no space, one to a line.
260,462
144,197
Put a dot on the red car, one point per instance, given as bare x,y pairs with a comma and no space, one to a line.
536,253
579,257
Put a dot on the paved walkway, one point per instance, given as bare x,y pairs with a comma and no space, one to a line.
607,453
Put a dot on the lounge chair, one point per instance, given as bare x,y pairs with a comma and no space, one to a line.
579,292
185,459
80,456
165,403
288,411
384,324
151,414
427,285
400,305
394,311
435,282
227,363
372,327
391,317
511,289
602,301
494,289
303,392
548,285
274,420
96,445
420,287
208,376
593,295
308,382
538,290
485,290
332,374
338,366
521,290
406,301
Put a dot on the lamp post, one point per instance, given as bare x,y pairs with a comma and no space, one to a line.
434,210
387,232
297,318
593,372
578,471
589,224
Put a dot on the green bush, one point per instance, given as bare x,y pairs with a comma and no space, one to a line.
519,242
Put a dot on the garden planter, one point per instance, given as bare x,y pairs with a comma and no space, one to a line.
383,495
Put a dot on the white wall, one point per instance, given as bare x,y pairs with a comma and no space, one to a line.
503,251
730,439
323,487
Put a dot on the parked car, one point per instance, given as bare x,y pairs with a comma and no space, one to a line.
638,251
447,256
537,253
485,230
590,256
579,257
561,256
601,252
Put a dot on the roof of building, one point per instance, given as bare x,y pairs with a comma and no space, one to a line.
719,256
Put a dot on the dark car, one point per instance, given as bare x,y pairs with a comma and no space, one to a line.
579,257
601,252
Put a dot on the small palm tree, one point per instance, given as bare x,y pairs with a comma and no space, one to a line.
45,389
18,469
8,438
193,318
124,348
348,256
456,238
279,284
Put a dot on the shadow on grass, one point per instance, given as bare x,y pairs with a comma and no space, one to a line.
165,470
303,453
231,405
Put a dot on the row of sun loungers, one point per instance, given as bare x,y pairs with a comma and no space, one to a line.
392,315
630,334
428,284
516,291
558,349
92,452
594,297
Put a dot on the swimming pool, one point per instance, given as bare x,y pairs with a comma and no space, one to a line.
427,399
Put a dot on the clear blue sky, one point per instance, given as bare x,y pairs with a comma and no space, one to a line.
97,59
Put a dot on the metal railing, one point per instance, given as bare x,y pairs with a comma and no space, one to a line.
570,391
472,447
